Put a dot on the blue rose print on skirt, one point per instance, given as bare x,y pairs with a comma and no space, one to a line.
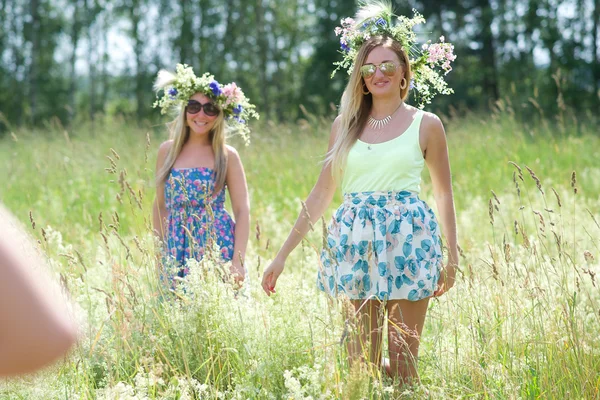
384,245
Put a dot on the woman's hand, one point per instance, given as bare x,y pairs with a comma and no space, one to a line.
271,275
446,281
238,272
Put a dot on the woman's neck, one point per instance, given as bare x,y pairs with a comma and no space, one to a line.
382,107
199,140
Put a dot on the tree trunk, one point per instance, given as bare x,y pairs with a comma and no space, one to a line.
488,52
228,35
204,55
3,29
91,11
18,64
186,38
551,33
35,55
105,59
137,50
5,80
596,51
261,40
289,100
531,24
75,30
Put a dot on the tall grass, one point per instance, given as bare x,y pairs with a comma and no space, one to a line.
521,322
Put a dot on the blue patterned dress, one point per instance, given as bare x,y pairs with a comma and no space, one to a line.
197,218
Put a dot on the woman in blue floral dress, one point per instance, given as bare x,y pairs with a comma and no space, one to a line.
383,249
194,168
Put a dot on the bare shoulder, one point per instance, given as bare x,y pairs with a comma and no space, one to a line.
233,157
335,126
164,147
163,150
431,133
232,152
432,127
432,130
337,121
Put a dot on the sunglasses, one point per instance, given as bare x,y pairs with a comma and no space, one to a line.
387,68
194,107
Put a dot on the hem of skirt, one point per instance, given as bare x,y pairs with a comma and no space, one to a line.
373,297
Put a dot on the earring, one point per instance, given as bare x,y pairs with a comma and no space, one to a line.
405,83
363,91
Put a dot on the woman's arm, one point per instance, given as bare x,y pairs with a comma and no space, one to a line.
316,204
238,192
35,327
436,157
159,208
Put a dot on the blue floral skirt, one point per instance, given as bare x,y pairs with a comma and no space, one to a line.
384,245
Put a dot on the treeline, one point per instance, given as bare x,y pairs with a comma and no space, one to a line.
75,59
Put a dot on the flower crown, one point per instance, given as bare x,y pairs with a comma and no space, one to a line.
377,20
179,87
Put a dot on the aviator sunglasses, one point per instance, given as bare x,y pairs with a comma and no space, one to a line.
387,68
194,107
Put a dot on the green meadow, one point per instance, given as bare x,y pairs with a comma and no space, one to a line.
522,321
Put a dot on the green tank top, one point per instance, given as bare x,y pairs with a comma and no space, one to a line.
394,165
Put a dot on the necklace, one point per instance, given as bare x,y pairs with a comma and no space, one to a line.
380,123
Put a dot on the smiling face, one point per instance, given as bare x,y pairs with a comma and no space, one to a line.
386,79
199,122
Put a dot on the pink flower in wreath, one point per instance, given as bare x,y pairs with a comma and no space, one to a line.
233,93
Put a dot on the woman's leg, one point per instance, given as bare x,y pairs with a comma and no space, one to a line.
365,342
405,324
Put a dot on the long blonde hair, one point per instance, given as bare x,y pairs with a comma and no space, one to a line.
179,132
355,106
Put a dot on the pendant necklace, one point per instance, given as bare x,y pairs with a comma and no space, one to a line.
380,123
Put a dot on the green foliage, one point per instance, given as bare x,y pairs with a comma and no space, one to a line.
56,59
521,322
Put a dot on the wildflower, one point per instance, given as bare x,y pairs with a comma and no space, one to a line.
426,60
215,87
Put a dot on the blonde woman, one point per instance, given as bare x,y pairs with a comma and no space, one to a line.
194,168
384,248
